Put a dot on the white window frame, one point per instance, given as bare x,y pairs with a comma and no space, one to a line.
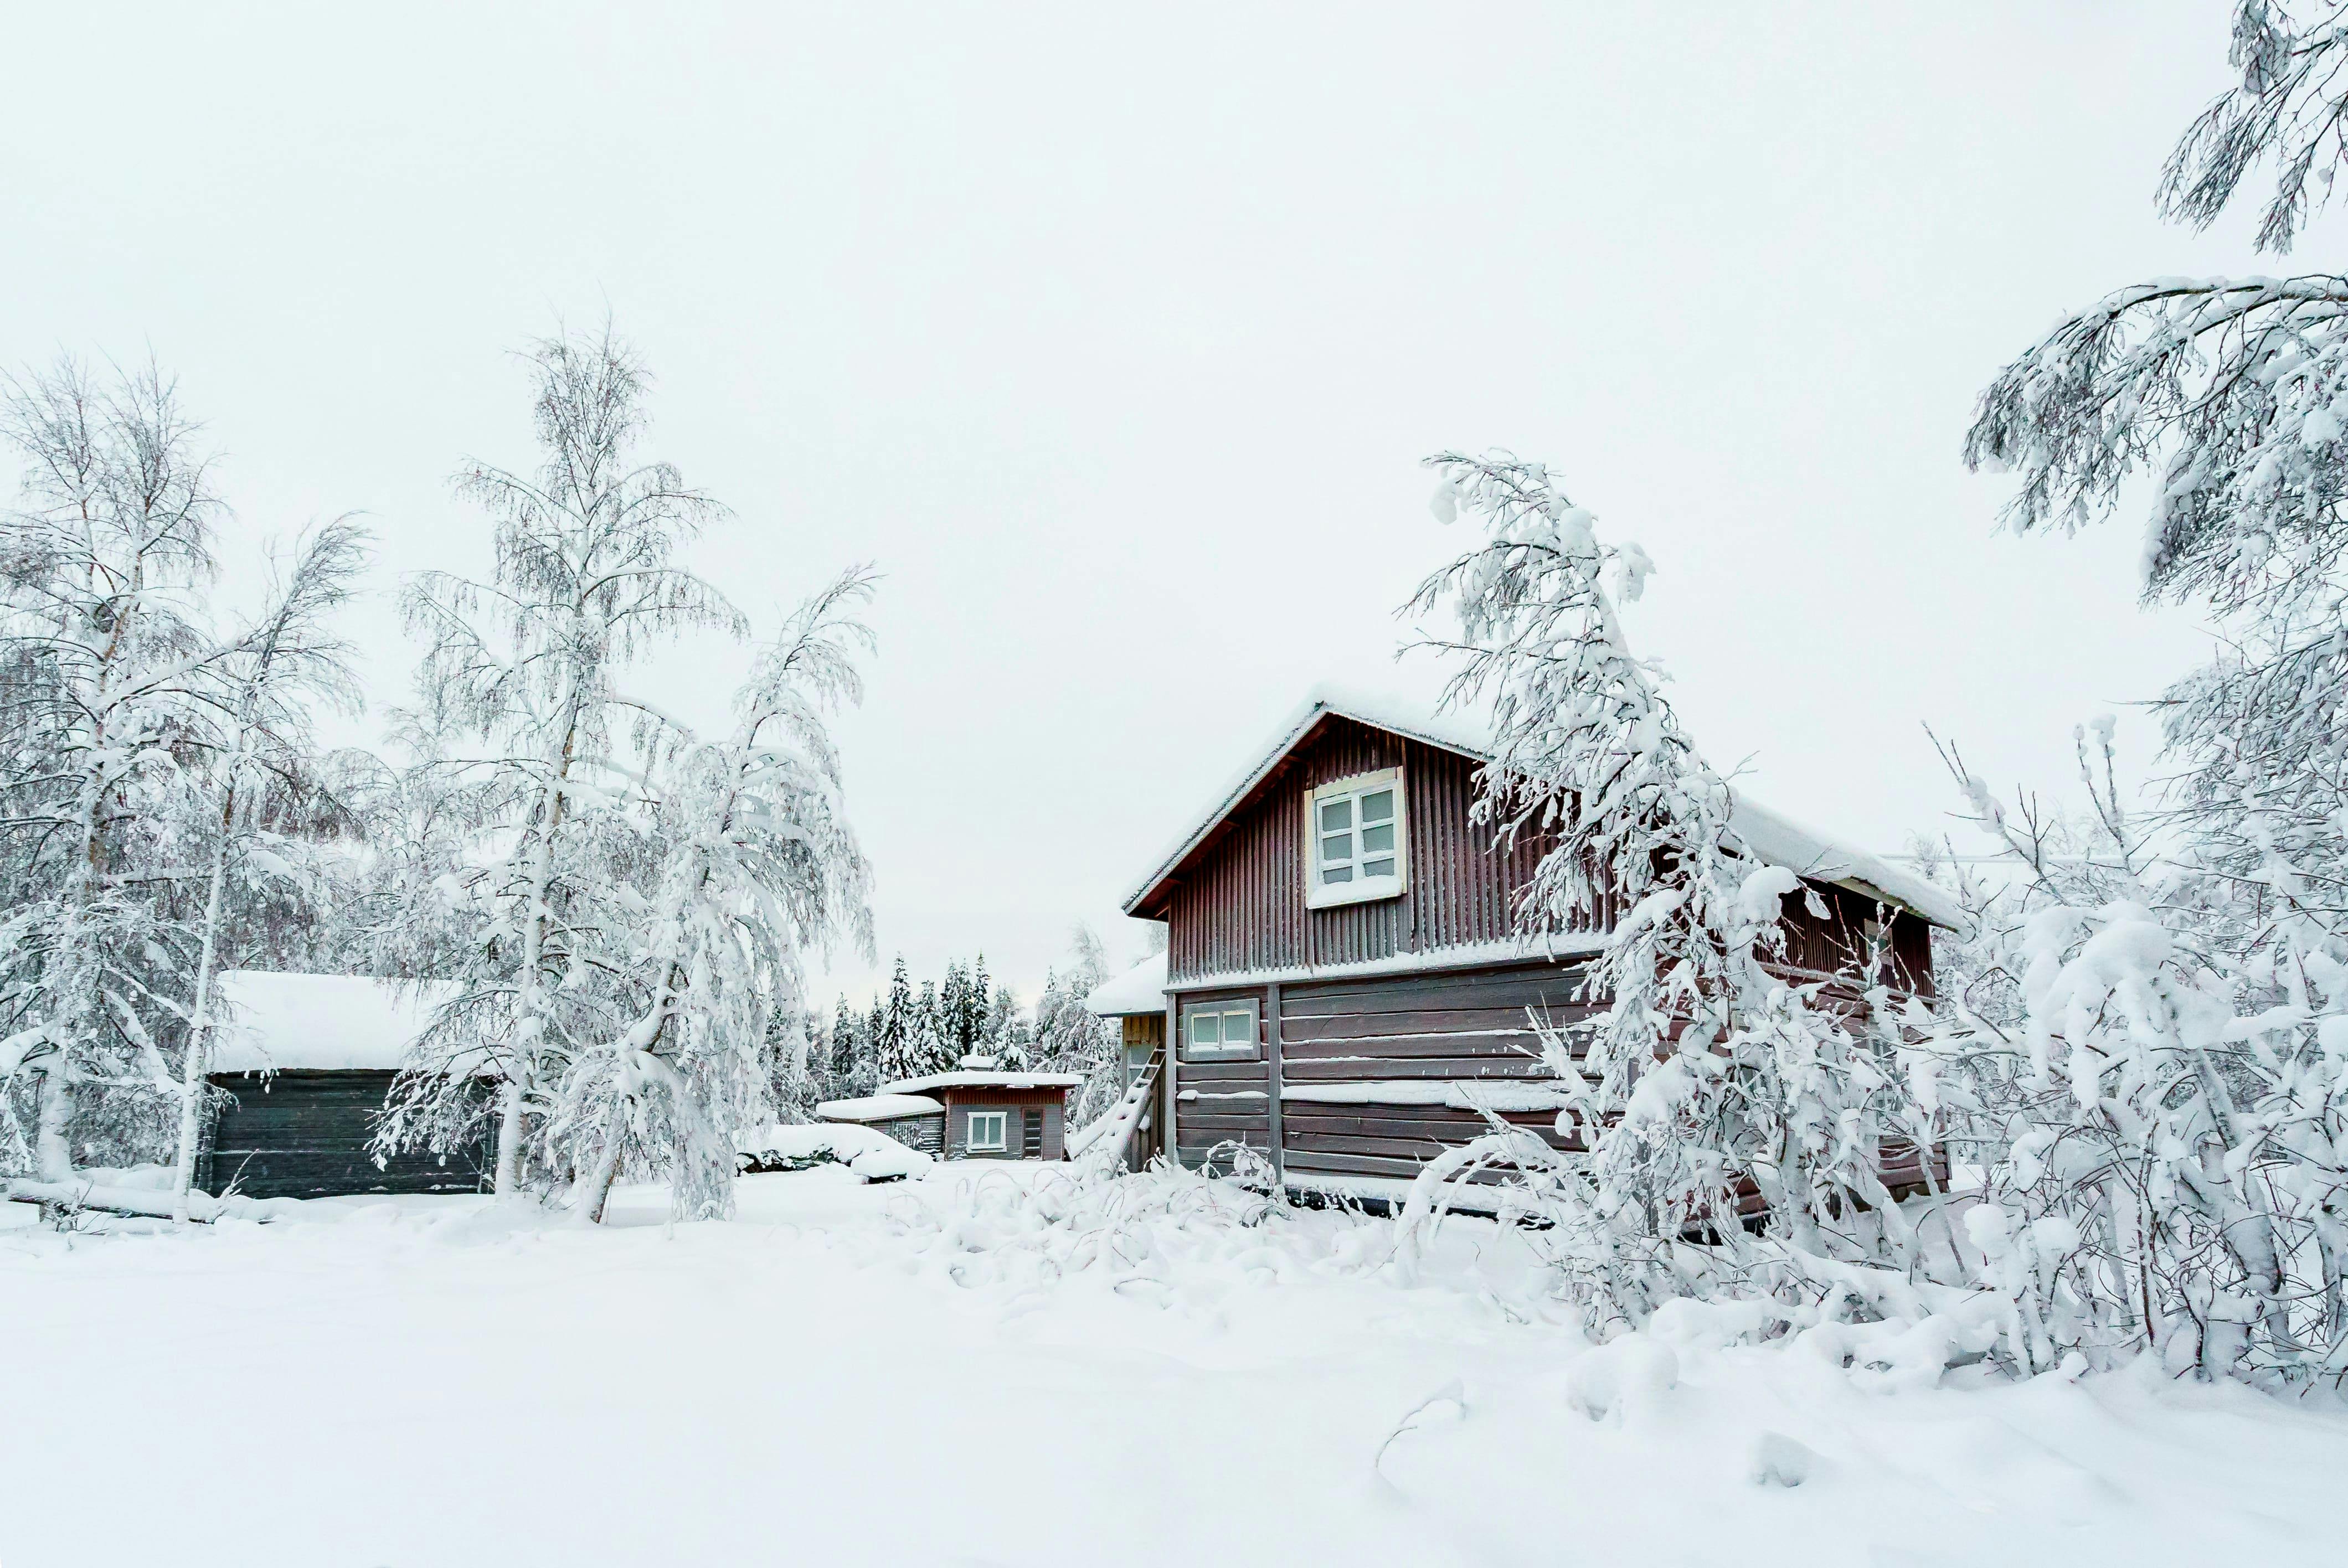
1360,889
1002,1143
1226,1009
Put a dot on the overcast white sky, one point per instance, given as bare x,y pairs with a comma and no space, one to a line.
1114,339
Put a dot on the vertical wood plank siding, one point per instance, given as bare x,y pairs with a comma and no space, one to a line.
1242,908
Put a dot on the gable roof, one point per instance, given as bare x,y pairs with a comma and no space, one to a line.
1765,834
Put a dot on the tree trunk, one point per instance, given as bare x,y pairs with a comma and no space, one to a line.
192,1086
53,1144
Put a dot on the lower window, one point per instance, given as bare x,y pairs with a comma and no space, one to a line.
989,1133
1219,1029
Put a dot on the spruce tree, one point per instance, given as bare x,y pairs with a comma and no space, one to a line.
841,1050
893,1038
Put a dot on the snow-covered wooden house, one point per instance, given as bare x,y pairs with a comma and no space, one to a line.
978,1111
1342,989
307,1061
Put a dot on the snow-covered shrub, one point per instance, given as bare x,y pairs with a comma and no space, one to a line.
2150,1041
2159,1106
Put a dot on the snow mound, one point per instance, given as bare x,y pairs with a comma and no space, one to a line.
875,1156
1620,1375
1777,1459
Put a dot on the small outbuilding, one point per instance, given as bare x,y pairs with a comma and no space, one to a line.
987,1113
306,1063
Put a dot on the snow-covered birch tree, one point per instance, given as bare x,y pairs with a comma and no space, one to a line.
528,664
105,654
263,690
759,866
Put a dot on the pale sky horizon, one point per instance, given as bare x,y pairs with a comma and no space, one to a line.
1114,340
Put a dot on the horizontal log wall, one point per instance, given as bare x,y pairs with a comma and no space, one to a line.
1223,1101
1473,1025
306,1134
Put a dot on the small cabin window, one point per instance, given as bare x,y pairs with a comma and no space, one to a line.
989,1133
1356,842
1219,1029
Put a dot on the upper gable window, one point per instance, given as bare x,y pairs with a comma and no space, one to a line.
1356,843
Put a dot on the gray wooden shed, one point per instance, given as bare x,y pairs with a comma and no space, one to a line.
306,1063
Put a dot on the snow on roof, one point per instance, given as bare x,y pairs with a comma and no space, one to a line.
878,1108
984,1080
1141,989
275,1022
1768,837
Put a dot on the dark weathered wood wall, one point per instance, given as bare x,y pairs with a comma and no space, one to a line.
305,1134
925,1132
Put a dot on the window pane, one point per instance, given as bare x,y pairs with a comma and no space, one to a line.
1336,874
1337,847
1336,814
1377,868
1378,840
1206,1029
1378,807
1238,1029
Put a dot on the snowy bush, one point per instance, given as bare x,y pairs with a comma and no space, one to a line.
2150,1048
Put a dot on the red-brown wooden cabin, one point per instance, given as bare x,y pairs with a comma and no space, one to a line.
1345,1000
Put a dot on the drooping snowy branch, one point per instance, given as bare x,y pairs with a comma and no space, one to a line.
1709,1067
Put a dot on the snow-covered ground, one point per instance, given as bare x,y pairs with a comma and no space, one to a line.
931,1372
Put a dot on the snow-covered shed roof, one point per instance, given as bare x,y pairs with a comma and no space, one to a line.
1767,835
878,1108
1141,989
976,1079
273,1022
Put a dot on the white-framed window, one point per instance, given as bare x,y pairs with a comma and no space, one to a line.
1356,844
989,1133
1212,1030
